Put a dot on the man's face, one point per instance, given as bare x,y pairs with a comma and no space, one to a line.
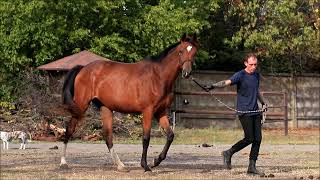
251,64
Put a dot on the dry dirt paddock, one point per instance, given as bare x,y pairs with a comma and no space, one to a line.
91,161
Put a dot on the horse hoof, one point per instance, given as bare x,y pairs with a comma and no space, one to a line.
147,169
155,163
152,165
150,174
122,169
64,166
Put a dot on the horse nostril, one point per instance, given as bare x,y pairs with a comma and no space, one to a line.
185,73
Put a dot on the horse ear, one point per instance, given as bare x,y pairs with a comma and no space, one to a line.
184,36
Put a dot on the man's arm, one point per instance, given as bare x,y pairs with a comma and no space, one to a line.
219,84
261,99
222,84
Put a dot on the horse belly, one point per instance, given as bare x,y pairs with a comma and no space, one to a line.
122,104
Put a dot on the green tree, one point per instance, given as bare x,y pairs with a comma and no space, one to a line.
35,32
285,33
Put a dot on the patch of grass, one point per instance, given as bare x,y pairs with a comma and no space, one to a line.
229,136
295,136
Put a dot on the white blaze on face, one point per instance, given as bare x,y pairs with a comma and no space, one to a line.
189,48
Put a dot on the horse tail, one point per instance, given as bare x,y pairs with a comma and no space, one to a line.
68,91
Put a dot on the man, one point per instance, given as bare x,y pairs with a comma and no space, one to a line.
247,81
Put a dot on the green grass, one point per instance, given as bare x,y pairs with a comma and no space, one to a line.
229,136
223,136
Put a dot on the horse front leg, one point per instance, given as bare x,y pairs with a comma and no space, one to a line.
107,121
164,123
146,123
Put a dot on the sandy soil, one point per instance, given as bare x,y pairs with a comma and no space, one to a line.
91,161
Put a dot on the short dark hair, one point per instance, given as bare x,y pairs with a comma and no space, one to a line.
248,56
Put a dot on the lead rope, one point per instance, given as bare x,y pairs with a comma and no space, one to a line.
264,115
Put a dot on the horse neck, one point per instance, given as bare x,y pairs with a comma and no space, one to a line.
170,68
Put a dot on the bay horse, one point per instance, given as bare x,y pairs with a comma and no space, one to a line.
144,87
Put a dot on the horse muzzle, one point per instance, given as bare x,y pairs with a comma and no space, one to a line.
186,74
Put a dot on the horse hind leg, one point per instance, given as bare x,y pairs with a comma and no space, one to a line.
77,107
106,116
164,123
71,128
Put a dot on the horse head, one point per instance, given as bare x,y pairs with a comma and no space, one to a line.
187,50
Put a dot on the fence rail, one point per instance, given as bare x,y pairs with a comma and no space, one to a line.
271,116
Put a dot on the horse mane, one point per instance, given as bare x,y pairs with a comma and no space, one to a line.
164,53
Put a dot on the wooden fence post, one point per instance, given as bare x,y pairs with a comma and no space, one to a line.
293,101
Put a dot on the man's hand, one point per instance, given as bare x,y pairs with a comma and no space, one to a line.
264,107
208,87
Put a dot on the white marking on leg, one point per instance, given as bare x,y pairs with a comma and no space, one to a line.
116,159
63,157
63,161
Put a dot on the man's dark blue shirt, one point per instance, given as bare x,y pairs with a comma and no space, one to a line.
247,91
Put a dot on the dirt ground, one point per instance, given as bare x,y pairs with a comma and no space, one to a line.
91,161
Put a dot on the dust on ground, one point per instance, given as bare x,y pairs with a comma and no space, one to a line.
92,161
